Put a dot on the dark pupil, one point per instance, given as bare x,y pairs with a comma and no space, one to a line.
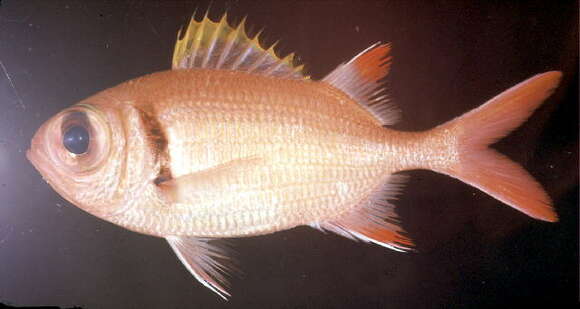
76,139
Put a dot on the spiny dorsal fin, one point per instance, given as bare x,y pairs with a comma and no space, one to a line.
361,77
217,45
374,219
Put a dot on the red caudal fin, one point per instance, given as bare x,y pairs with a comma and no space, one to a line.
490,171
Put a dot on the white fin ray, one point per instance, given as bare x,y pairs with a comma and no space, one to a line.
217,45
361,77
192,188
374,219
204,261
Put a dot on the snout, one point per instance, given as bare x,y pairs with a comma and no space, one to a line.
38,156
34,153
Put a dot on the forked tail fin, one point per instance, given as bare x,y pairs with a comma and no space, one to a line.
490,171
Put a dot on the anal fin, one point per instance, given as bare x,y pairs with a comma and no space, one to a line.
204,260
374,219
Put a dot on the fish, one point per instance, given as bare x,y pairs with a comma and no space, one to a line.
237,141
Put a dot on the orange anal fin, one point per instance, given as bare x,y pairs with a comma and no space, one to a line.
373,219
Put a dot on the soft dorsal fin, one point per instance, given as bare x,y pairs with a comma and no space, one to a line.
217,45
361,77
374,219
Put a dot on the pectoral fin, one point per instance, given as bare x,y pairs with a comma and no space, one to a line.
204,260
227,177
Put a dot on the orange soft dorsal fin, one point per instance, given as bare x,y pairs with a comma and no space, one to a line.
490,171
361,78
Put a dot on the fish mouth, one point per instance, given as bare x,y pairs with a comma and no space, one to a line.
40,158
39,153
35,154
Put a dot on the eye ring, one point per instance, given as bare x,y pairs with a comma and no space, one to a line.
81,139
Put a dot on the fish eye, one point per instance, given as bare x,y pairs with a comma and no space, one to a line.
76,139
76,133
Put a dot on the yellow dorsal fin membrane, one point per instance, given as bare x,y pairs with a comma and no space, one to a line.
361,77
217,45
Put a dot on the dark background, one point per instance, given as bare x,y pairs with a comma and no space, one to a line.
449,57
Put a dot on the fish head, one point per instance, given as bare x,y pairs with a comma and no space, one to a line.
83,152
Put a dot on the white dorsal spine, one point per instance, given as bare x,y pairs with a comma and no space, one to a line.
207,44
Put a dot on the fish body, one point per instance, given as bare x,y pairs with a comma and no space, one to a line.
234,141
302,151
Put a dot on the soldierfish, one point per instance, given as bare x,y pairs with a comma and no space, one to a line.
236,141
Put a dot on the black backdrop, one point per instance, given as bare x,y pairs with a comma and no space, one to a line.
449,57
